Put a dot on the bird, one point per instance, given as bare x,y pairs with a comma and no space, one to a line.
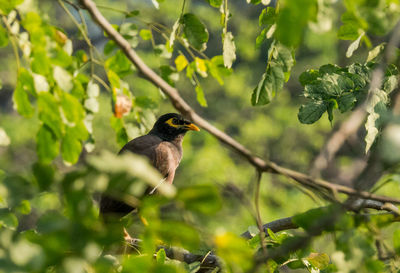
162,146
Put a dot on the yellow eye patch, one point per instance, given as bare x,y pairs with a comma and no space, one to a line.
170,123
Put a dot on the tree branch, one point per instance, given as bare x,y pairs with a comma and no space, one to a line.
181,105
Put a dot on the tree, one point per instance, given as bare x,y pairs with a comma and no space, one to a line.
70,61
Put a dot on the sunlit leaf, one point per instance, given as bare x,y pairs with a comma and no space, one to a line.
72,108
181,62
47,145
20,97
3,37
396,241
71,146
63,78
200,96
215,3
145,34
4,139
229,49
318,260
49,113
161,256
201,67
353,46
8,219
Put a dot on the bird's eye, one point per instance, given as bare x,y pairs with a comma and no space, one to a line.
175,121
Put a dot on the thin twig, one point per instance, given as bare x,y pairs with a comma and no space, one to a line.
13,42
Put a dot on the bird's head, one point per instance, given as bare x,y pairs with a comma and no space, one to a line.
170,126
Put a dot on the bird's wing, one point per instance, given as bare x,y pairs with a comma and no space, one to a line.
143,145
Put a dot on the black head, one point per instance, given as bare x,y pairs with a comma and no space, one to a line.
171,125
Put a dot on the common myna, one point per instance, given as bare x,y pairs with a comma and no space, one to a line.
163,146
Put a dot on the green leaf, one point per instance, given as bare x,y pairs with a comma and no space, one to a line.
262,93
308,77
145,34
47,145
346,102
24,207
217,68
119,64
20,97
8,219
307,220
6,6
169,74
348,32
229,49
133,13
215,3
44,175
235,251
292,20
181,62
374,53
72,108
284,57
311,112
194,267
195,31
178,234
261,37
63,78
161,256
71,146
354,45
40,62
201,198
49,113
318,260
200,96
4,138
271,82
109,47
396,241
118,125
267,16
133,165
3,37
128,30
376,102
390,83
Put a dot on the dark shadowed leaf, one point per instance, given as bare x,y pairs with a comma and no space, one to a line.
311,112
194,31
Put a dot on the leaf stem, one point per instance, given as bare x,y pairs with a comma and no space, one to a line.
13,39
258,214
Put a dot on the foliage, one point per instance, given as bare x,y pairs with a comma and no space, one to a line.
78,98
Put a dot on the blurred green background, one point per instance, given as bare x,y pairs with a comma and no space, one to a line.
272,132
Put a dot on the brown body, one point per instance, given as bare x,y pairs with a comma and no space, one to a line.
162,146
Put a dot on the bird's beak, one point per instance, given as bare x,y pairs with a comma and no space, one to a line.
192,127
